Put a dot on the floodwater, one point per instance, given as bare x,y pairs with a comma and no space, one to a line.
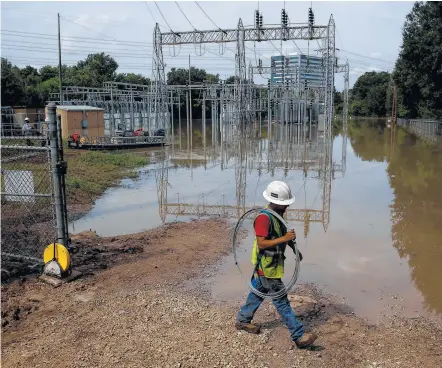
368,217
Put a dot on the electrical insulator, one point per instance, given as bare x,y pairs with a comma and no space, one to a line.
311,17
256,18
311,103
260,62
305,84
260,21
268,83
282,16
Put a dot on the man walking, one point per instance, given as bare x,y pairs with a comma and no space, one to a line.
271,239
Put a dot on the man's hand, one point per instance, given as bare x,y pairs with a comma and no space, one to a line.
289,236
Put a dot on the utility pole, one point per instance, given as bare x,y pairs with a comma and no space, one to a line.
59,61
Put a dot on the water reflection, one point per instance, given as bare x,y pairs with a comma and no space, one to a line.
415,176
290,149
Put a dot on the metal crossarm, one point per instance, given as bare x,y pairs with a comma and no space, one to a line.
250,34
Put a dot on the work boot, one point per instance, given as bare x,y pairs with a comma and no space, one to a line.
249,327
306,340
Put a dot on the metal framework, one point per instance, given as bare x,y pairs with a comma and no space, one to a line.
250,34
244,89
288,149
131,106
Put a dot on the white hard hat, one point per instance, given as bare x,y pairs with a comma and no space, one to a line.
278,192
26,119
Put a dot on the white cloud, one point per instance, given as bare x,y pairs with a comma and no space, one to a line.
375,54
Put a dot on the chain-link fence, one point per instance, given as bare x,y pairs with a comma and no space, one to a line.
28,223
429,130
31,200
17,122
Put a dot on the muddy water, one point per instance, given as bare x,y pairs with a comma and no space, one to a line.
375,236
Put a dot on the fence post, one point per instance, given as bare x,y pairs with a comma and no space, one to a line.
58,169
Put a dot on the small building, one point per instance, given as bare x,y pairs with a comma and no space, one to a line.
36,115
83,119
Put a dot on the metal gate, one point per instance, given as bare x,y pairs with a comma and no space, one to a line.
29,202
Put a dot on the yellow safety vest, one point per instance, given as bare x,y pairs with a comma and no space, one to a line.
271,260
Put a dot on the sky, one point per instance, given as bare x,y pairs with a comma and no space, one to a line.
369,34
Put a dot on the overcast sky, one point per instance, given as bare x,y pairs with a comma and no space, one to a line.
369,34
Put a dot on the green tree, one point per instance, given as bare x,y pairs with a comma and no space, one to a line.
95,70
12,86
230,80
197,76
132,78
369,94
418,70
338,101
181,76
48,72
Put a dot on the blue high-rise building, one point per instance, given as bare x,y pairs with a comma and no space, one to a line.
299,68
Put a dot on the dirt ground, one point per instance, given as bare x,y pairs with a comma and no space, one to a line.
133,308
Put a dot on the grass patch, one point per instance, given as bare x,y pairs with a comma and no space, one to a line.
91,173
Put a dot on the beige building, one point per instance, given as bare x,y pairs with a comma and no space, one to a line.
82,119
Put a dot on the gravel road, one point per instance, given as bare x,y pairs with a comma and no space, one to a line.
131,309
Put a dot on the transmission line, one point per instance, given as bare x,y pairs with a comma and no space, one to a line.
185,15
91,30
199,6
150,12
65,38
163,16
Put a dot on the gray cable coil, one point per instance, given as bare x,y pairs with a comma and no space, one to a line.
294,278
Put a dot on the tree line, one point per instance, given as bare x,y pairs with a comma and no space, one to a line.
417,75
417,72
31,87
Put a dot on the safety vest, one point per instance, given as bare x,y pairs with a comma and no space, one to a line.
271,260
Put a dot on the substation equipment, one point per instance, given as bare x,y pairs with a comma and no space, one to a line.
293,100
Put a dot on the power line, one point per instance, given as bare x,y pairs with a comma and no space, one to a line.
51,51
185,16
91,48
280,51
65,38
207,15
163,16
82,42
91,30
368,57
151,14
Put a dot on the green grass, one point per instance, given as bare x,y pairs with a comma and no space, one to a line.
91,173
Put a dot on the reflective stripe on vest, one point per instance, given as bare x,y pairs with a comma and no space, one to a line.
271,260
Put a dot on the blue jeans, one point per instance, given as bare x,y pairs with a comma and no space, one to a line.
282,305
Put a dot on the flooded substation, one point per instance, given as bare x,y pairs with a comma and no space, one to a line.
368,210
